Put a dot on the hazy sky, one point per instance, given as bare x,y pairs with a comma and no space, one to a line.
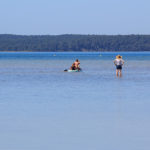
74,17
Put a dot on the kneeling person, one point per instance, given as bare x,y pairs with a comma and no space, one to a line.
77,64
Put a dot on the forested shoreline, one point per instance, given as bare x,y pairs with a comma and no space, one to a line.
70,42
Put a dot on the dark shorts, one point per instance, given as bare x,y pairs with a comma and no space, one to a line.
119,67
73,68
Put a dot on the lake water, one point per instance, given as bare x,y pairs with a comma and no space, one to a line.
44,108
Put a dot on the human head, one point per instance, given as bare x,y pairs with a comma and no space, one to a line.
77,60
118,57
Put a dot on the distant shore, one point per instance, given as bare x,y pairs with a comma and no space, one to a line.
74,43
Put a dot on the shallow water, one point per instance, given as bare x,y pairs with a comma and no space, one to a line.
42,107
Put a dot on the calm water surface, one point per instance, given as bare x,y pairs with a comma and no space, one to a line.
42,107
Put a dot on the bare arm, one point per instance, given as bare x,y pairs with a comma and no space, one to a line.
122,62
115,62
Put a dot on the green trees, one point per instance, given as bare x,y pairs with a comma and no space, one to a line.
75,43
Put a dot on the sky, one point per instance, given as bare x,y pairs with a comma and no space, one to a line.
54,17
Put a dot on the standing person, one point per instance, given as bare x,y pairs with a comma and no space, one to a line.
77,64
119,63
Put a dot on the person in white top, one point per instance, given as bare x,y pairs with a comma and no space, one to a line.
119,63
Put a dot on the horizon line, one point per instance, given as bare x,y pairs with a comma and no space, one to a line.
72,34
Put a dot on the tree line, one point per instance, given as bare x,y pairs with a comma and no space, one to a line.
69,42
